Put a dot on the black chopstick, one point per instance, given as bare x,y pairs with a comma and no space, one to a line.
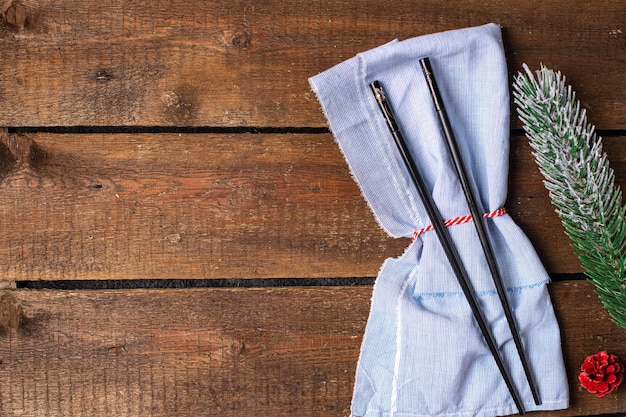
444,238
478,219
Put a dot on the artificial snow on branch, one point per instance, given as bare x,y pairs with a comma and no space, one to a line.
579,179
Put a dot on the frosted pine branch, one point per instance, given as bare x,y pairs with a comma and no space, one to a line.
579,179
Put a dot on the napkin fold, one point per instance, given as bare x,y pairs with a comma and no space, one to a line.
422,353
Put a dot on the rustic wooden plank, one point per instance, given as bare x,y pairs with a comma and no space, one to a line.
227,352
179,353
183,206
178,62
100,206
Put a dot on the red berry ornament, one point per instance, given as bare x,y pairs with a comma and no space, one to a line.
601,373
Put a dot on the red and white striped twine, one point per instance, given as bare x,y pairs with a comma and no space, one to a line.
459,220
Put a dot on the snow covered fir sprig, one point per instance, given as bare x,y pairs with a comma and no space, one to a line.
580,182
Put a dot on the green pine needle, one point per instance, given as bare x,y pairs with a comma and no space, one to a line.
579,180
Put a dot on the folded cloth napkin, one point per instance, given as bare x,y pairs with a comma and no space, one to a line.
422,353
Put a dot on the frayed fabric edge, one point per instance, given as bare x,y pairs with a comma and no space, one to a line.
553,405
343,154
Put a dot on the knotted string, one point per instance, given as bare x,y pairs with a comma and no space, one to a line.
458,220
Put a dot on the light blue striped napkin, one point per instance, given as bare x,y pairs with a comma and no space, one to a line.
423,353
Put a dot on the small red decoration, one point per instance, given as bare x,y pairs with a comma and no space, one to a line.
601,373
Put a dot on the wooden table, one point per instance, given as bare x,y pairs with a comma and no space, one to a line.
180,234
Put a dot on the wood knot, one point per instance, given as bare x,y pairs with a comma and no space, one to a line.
19,154
15,14
239,39
11,313
21,147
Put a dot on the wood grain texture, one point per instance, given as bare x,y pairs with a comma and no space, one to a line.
100,206
214,63
133,206
226,352
184,206
180,353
